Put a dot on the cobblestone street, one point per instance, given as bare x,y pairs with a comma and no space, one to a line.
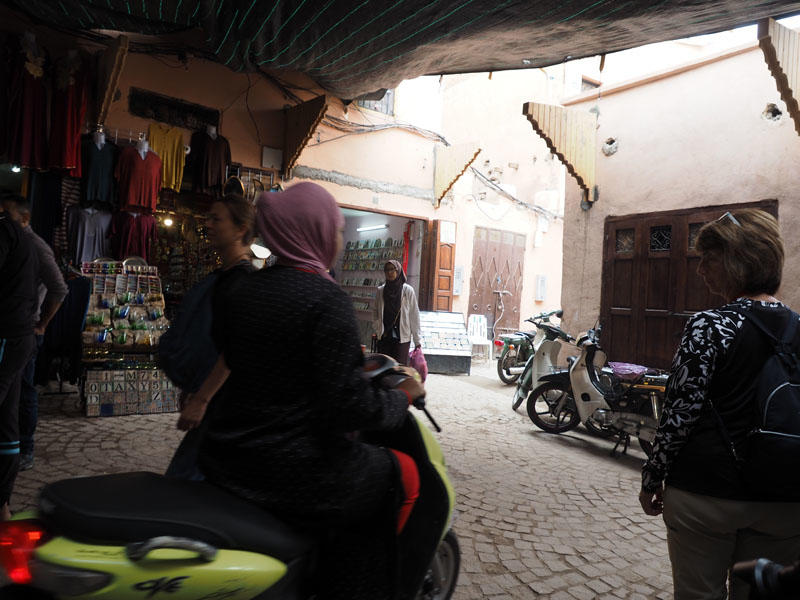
538,516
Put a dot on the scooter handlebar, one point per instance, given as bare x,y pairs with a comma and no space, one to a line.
419,404
545,315
769,579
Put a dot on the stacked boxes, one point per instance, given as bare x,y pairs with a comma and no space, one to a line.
129,392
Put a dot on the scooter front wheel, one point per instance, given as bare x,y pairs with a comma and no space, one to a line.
552,408
440,583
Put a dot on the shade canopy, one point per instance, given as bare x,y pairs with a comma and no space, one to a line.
355,47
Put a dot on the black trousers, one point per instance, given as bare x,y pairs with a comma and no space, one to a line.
396,350
14,355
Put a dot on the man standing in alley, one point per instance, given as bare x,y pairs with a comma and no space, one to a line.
51,293
18,300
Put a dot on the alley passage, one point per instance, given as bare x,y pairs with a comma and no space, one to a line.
538,516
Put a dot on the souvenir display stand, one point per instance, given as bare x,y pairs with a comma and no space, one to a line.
445,342
125,320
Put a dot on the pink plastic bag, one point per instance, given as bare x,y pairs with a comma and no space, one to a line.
416,360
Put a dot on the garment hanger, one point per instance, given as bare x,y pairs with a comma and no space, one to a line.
234,185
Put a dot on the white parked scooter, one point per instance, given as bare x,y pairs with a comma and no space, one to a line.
619,399
543,361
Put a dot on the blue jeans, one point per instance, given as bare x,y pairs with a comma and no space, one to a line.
29,403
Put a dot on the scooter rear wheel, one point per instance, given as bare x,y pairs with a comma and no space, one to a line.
504,363
543,400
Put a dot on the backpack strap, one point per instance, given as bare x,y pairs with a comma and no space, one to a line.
749,314
783,346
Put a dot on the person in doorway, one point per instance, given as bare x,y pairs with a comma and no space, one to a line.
282,437
52,289
18,301
713,517
396,314
230,228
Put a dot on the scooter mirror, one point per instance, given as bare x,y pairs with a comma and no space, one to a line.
559,313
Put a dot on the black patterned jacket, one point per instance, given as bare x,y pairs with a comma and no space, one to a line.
717,361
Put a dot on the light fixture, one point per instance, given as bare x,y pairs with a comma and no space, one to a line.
15,169
168,222
372,227
259,251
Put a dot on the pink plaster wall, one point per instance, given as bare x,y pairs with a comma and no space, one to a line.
211,85
691,140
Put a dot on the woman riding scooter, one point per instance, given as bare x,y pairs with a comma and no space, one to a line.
281,437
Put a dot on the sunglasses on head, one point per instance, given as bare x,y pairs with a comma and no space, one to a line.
729,215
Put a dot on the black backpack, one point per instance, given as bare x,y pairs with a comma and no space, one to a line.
186,351
769,456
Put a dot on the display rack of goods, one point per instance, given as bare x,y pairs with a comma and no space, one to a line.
134,391
124,323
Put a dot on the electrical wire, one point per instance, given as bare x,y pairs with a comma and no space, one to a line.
491,184
239,95
350,127
277,83
162,61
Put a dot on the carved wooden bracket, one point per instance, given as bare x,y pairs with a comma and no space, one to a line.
451,162
301,123
571,136
781,48
110,68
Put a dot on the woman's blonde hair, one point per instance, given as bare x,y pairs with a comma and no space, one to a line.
750,244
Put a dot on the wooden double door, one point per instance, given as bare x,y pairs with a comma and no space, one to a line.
650,285
497,264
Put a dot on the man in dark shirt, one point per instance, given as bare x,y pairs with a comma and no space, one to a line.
18,300
51,290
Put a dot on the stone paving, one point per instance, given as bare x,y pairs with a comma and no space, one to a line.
538,515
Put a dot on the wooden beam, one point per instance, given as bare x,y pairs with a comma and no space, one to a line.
571,136
781,48
301,122
111,63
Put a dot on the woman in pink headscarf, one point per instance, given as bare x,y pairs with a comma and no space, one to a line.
296,388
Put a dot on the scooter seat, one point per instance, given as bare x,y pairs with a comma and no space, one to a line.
133,507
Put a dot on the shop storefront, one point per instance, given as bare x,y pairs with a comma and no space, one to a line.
371,239
119,189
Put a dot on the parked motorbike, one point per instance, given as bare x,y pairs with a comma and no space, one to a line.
615,398
517,348
142,535
543,359
769,580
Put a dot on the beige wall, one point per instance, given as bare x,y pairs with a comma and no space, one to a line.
466,109
486,112
695,139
